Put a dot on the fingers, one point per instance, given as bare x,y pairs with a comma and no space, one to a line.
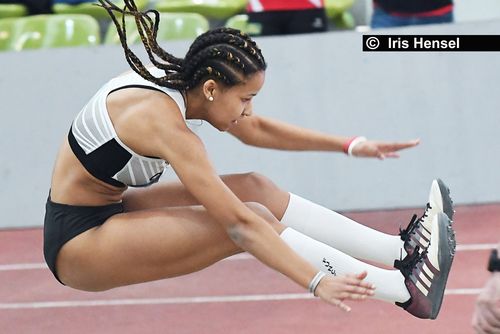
335,290
393,147
357,280
409,144
391,155
357,291
353,296
361,275
382,150
355,283
344,307
355,288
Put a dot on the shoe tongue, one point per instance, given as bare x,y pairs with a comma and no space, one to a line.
407,264
410,259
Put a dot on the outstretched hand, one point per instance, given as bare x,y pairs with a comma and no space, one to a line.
381,149
335,289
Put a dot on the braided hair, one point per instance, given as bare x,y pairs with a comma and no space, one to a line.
223,54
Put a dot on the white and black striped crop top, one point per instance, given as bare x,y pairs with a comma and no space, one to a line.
94,141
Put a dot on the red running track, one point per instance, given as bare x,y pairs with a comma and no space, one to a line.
239,295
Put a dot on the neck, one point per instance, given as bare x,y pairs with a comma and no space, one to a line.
194,105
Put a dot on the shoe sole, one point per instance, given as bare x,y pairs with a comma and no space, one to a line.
445,257
446,199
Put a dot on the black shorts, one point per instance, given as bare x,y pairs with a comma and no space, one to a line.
286,22
64,222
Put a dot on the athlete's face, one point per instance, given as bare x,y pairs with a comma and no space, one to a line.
230,104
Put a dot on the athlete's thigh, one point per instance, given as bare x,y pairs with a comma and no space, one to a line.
248,187
143,246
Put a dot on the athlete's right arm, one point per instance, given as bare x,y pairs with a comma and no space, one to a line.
187,156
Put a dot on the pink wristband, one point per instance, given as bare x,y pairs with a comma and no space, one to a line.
349,145
346,145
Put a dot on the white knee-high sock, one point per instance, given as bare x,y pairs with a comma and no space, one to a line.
389,284
341,232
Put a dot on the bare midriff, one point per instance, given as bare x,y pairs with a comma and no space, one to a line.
72,184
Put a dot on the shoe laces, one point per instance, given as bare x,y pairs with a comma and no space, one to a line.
427,208
413,224
407,265
409,230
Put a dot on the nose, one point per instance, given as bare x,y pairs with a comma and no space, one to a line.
248,111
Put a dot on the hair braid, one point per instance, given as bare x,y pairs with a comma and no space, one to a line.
148,30
225,55
227,36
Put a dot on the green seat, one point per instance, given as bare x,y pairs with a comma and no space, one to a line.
345,21
337,11
212,9
51,31
12,10
91,9
6,32
172,26
240,22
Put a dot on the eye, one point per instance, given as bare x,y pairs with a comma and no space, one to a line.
246,99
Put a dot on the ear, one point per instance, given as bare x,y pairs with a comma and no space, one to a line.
209,89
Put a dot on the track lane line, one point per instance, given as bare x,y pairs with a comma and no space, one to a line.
238,257
185,300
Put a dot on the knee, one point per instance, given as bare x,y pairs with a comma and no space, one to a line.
259,182
267,215
262,211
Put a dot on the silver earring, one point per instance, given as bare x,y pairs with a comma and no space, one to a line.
210,98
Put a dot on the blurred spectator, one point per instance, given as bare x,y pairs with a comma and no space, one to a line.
280,17
34,6
486,318
396,13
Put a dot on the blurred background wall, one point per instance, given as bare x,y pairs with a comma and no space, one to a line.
323,81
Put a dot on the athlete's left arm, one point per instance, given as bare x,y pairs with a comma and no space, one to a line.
270,133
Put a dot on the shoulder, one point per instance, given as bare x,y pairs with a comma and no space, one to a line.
144,104
145,119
